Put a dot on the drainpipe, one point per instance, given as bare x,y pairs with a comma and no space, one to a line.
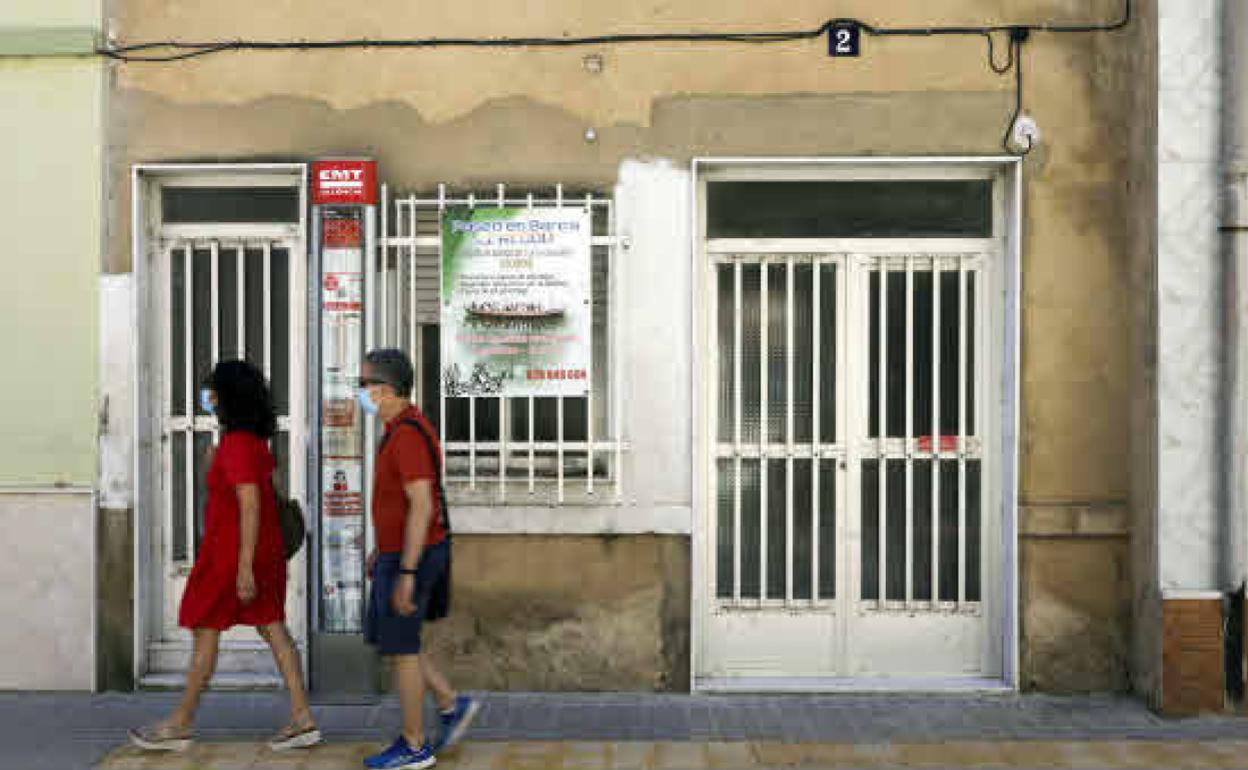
1235,239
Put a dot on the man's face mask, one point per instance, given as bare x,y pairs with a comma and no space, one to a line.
366,401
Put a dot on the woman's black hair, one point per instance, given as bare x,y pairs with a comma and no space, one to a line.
243,398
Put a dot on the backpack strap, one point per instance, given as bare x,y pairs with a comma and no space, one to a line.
437,467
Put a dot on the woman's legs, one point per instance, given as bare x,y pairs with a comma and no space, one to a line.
286,655
203,664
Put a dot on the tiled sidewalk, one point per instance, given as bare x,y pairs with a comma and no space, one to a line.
73,732
1101,755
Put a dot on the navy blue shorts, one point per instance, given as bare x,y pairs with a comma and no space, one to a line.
385,629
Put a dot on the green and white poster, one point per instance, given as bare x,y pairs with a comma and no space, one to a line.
516,313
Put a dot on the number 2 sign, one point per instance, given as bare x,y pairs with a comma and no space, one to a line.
845,39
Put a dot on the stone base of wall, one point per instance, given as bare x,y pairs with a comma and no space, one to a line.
114,632
1193,677
1076,612
567,613
47,570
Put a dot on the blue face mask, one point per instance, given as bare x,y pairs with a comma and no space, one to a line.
366,401
205,401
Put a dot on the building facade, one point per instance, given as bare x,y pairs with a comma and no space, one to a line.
53,203
878,397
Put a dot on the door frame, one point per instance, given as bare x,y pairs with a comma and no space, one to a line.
1004,338
146,232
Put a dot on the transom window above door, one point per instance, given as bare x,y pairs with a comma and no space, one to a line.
923,208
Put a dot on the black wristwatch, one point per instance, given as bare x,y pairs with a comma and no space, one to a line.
405,571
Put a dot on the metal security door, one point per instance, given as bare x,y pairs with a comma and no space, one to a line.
219,299
779,453
918,540
847,384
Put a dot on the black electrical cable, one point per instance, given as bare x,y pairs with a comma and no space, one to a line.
201,49
1018,35
187,50
992,55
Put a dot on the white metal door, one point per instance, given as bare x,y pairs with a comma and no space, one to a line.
919,528
221,298
809,400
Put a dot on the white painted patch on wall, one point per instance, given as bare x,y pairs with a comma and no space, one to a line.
116,418
653,199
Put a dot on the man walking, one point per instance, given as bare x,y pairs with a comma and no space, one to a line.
410,566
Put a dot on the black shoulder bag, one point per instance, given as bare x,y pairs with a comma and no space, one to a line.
440,598
290,518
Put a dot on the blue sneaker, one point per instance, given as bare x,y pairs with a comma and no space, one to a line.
456,721
401,756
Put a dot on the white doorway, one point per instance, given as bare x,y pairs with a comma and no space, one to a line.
223,276
851,525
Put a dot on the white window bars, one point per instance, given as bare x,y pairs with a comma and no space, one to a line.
548,450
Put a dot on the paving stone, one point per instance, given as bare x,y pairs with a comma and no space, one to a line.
818,755
133,759
730,756
534,756
631,755
585,756
475,755
339,756
679,756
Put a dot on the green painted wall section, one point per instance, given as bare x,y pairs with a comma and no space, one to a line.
50,214
50,13
48,41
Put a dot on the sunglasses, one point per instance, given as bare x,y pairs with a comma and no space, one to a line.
367,381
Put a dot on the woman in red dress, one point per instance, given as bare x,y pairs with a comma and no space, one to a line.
239,577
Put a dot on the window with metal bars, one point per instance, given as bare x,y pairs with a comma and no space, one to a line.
548,449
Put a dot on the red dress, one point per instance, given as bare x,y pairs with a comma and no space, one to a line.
211,596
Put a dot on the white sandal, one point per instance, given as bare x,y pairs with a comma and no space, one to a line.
160,738
294,737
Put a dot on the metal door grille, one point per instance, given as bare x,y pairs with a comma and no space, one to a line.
921,459
222,299
498,450
824,366
778,437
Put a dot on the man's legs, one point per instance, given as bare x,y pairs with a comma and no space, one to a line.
443,694
410,681
456,712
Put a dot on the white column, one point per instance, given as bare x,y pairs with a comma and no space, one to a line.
1190,283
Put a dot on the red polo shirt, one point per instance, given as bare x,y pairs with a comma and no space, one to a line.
404,457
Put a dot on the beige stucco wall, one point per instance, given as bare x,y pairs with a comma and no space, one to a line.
475,117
